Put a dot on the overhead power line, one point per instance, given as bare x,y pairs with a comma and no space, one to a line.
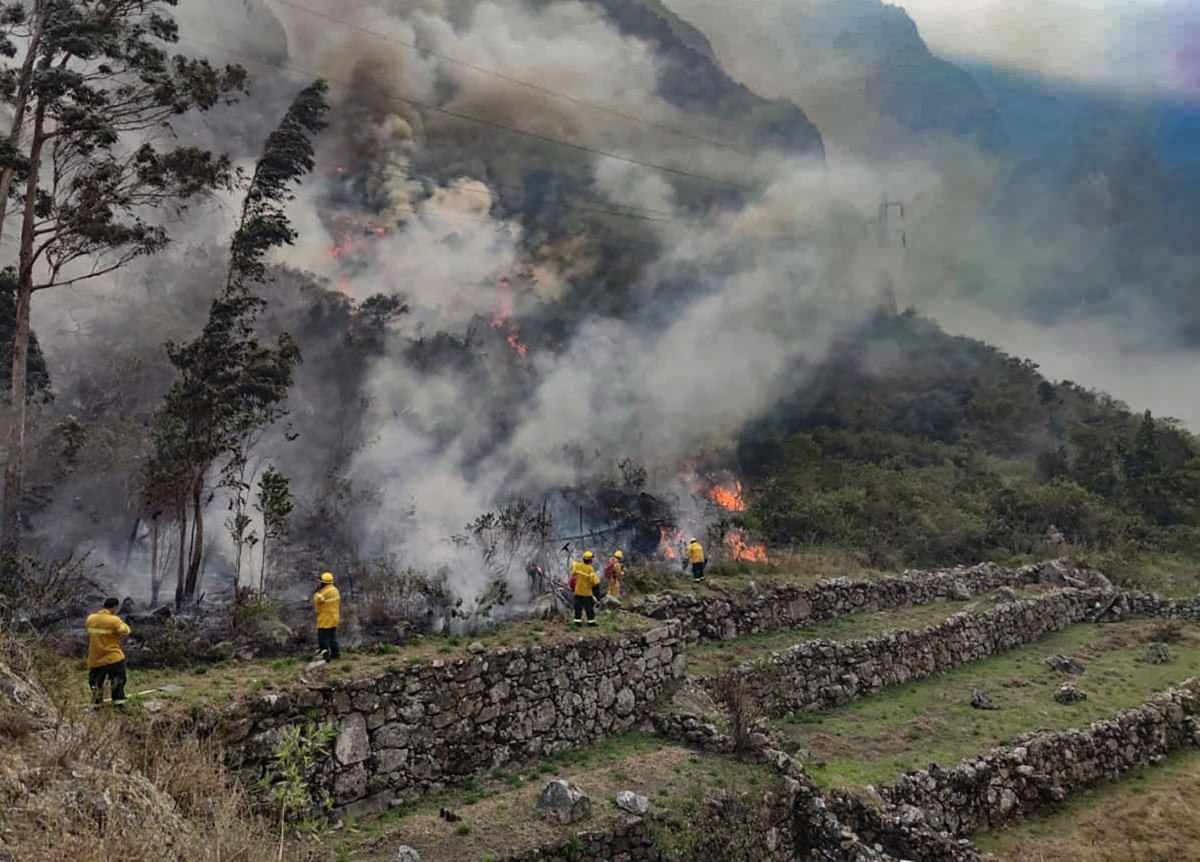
588,204
459,115
540,88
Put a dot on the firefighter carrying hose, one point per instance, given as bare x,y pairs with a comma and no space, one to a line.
584,580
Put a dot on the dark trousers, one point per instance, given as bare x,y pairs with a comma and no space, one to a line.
585,604
698,570
327,643
115,673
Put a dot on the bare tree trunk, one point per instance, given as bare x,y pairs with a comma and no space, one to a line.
179,575
20,103
262,568
14,472
155,579
197,554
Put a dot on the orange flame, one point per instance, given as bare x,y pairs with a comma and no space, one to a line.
728,498
667,540
515,344
735,542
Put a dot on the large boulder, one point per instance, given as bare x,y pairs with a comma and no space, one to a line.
982,700
1157,653
1068,694
632,802
1063,664
562,802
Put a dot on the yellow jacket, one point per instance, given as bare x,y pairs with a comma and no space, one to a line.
328,603
585,578
695,553
105,630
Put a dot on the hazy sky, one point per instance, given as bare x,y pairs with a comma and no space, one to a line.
1129,44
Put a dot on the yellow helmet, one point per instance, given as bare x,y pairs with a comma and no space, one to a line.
587,555
327,577
619,555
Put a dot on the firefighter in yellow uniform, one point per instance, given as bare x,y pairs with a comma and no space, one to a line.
613,572
696,557
106,659
327,602
585,578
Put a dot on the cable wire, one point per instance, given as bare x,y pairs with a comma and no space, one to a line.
459,115
596,106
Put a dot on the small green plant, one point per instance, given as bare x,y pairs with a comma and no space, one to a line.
463,829
289,778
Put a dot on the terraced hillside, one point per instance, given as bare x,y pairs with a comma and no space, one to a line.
890,717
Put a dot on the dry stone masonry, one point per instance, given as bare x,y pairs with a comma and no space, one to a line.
1040,769
427,725
728,617
820,674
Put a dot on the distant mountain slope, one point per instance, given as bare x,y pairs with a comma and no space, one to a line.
694,80
859,67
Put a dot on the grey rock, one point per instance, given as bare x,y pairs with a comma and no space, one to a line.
1064,664
633,803
961,591
982,700
475,648
353,745
1067,693
564,803
1007,594
1157,653
406,854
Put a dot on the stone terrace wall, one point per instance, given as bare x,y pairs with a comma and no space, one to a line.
1042,768
727,617
427,725
630,841
820,674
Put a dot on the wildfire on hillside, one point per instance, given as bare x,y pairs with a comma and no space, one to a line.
728,497
739,549
502,318
516,344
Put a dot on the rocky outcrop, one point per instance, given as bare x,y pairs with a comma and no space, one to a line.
821,674
1040,769
730,616
423,726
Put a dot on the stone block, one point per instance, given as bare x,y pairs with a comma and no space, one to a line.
353,744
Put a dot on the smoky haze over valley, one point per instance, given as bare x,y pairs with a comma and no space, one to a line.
640,269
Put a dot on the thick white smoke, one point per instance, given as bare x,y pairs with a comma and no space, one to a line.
770,284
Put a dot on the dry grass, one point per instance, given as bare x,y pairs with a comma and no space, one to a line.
1149,816
802,567
97,786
